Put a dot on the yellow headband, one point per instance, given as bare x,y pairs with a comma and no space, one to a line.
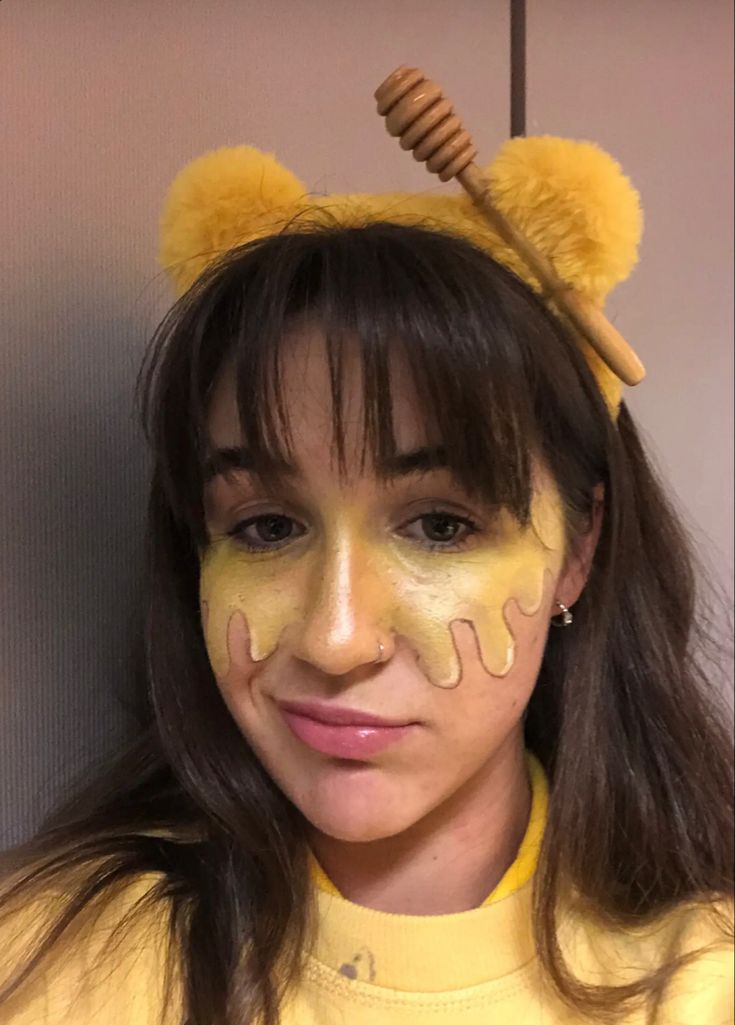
570,199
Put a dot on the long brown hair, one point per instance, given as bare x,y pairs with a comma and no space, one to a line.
623,717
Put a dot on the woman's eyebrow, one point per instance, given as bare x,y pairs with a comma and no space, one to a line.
417,460
239,458
401,464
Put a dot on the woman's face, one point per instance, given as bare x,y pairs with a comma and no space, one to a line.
375,635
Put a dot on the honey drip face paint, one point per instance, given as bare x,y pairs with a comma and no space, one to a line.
348,570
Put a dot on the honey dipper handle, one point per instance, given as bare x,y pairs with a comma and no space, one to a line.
417,113
584,315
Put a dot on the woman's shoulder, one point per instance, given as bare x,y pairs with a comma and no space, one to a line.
113,963
703,986
700,988
695,939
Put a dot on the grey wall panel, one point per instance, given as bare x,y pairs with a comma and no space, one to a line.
71,473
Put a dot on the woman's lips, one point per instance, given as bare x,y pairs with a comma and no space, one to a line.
341,732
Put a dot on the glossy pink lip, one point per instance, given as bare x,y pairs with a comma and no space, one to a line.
341,732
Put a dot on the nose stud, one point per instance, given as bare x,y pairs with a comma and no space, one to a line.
381,652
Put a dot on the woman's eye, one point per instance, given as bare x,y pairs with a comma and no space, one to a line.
270,530
440,530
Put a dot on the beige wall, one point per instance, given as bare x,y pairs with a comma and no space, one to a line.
103,102
652,82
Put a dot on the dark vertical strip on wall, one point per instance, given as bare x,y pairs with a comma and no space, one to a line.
517,67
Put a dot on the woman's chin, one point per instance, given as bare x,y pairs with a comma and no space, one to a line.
356,829
356,805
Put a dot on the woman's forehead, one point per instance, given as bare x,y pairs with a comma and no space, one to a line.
306,395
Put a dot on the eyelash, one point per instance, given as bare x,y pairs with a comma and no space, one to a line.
471,527
238,533
455,545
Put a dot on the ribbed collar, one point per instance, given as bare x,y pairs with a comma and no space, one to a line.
436,953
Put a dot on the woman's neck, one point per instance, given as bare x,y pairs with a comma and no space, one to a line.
451,860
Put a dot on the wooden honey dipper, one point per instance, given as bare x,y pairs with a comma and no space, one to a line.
417,113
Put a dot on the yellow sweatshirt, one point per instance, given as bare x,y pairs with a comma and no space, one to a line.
372,968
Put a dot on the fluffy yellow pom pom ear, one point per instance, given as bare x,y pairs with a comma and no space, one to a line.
221,200
574,203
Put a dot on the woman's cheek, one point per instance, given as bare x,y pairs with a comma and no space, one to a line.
248,605
227,640
498,591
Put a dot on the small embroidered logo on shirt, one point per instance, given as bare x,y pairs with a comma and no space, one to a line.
361,968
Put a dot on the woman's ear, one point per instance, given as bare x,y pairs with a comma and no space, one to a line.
578,562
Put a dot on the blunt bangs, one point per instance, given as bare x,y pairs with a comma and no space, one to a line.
487,359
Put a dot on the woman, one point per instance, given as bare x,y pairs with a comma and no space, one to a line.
375,786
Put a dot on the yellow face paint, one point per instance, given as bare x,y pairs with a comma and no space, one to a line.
395,583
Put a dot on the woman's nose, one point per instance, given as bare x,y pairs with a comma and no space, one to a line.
344,627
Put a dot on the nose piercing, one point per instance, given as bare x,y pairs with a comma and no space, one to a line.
565,617
381,651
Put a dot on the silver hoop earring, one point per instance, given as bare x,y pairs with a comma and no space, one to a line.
565,617
381,652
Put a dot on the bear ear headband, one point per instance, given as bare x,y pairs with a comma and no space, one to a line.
559,213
